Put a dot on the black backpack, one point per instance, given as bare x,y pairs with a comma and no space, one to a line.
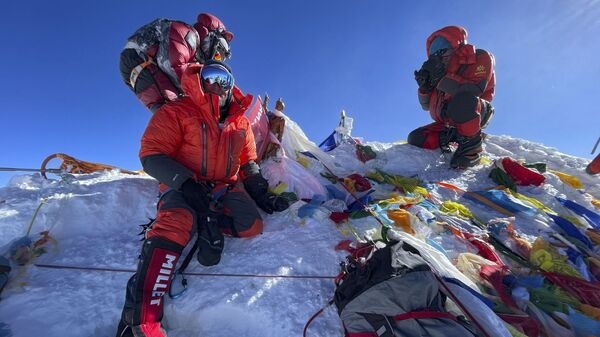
395,293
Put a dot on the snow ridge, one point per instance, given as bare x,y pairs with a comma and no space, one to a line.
94,220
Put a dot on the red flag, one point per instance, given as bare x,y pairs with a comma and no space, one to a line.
260,126
586,292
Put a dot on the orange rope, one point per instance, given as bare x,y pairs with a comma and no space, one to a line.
73,165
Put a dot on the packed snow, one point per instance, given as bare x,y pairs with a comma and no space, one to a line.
94,222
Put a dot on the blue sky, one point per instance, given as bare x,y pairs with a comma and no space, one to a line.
61,90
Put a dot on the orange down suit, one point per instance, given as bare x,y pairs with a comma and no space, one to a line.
185,140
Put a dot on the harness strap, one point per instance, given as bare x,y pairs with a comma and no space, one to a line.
361,334
220,191
188,258
135,72
462,68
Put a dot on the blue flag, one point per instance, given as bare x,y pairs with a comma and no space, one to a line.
503,200
569,228
592,217
329,143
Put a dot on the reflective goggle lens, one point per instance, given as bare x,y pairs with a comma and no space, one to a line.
438,44
216,79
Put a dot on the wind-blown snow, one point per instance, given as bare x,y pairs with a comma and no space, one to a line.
94,219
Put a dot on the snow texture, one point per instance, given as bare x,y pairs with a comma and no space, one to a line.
94,219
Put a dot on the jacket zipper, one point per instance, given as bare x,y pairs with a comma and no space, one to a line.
204,150
229,158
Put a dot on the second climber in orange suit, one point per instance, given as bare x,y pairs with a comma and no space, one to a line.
456,86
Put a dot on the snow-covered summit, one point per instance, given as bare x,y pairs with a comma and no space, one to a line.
94,220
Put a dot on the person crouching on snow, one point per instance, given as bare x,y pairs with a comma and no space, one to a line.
456,86
153,59
195,147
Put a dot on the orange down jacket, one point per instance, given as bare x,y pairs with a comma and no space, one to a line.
184,139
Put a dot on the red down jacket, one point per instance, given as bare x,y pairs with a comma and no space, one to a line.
184,139
154,58
468,69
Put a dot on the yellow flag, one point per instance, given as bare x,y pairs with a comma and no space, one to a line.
546,257
457,209
568,179
280,188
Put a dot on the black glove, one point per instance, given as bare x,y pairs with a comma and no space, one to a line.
436,68
270,203
210,241
197,195
258,188
430,73
422,78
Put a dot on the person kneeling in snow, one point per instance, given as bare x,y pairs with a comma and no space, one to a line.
456,86
154,57
195,147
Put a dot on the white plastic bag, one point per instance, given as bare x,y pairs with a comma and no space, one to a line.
470,265
298,179
294,140
436,260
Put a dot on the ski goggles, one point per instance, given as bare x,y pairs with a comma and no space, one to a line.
438,45
216,79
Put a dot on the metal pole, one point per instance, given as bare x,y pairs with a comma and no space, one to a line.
16,169
596,146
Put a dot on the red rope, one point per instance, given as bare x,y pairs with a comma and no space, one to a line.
313,317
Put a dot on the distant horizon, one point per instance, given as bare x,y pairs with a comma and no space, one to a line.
62,91
51,175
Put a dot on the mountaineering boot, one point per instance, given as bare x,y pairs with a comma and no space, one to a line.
124,330
468,152
210,241
594,166
447,136
487,112
142,311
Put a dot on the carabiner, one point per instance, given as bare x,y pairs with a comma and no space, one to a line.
183,283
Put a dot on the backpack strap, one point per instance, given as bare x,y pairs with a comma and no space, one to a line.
135,72
424,314
462,69
384,326
361,334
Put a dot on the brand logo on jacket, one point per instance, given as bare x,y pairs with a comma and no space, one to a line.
480,70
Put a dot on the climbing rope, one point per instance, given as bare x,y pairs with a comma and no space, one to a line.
73,165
